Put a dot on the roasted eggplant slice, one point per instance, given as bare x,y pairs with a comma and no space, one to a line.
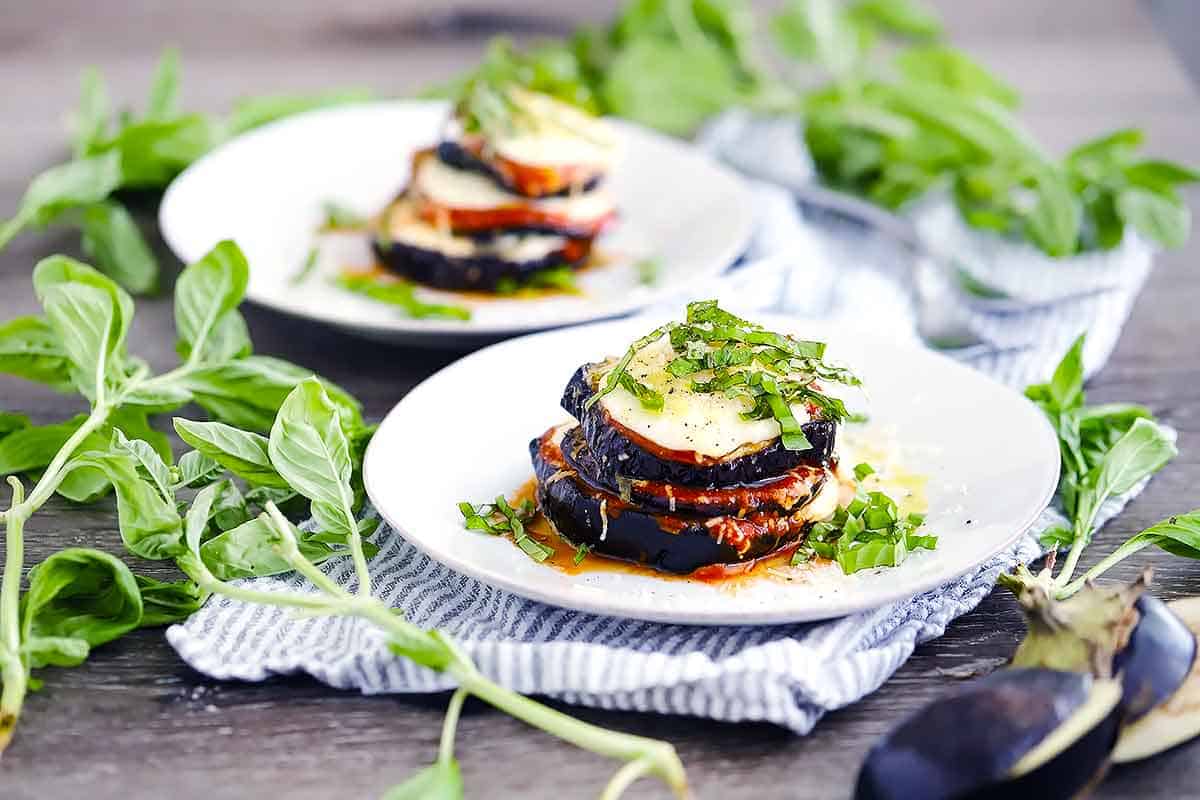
783,495
1018,733
421,252
522,179
678,543
620,454
468,202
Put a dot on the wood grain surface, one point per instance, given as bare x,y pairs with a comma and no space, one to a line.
135,722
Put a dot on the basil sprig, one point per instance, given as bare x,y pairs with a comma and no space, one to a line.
769,371
143,152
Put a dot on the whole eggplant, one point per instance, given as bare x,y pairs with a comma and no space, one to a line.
1018,733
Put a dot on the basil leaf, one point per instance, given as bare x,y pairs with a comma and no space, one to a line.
78,594
229,508
30,349
166,602
310,450
196,521
149,461
243,453
955,70
195,470
89,314
87,485
906,18
65,186
1155,174
32,448
1054,223
164,91
1066,386
401,294
1143,450
11,423
204,293
668,87
439,781
90,121
158,397
114,242
247,392
252,112
150,525
818,30
1096,157
1160,218
251,550
153,151
55,651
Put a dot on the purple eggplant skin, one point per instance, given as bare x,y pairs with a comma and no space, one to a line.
633,534
580,458
1157,659
966,745
474,273
453,154
617,456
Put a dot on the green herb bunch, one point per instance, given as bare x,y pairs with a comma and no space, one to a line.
112,159
1106,450
770,371
82,598
888,128
282,444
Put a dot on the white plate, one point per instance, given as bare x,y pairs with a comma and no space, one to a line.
266,190
990,457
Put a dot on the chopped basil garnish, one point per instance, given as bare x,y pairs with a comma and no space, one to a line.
310,263
500,517
582,552
561,277
770,371
869,532
863,470
338,217
401,294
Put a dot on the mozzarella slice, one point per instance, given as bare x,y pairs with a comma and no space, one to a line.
708,424
453,188
556,134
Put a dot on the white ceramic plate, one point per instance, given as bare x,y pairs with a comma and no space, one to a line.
266,190
990,458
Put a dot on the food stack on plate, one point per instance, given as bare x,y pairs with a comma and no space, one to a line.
514,190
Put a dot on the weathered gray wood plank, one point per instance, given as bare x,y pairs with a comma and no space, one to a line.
135,722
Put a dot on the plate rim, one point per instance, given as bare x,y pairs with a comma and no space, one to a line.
500,580
399,326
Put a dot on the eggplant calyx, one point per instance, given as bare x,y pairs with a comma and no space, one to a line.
1082,633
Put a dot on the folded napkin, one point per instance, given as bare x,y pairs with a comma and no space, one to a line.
804,260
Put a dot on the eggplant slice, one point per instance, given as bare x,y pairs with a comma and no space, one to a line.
781,496
619,457
422,253
678,543
454,154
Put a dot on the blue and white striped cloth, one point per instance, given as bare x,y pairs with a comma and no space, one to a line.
790,675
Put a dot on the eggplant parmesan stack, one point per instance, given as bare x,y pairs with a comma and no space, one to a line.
708,445
514,190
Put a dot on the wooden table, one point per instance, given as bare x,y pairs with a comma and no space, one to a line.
134,721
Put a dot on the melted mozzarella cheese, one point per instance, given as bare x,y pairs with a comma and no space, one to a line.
561,135
709,424
514,247
459,188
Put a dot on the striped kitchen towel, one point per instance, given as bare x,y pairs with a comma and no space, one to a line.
805,261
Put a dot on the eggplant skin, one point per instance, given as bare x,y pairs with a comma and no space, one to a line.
802,486
618,456
474,273
965,745
578,514
1156,660
455,155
